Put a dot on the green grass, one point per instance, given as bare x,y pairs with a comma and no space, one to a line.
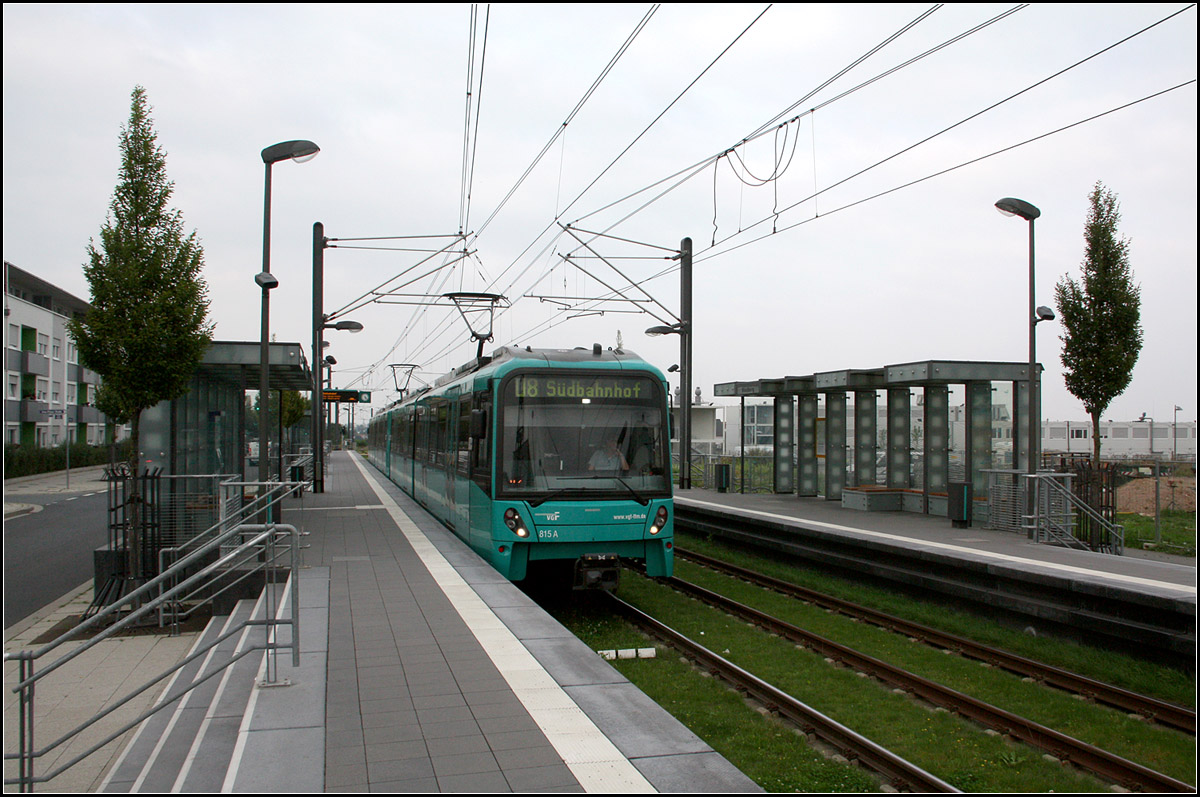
1151,745
780,760
937,741
772,755
1177,531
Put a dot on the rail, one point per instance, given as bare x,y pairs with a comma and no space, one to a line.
252,547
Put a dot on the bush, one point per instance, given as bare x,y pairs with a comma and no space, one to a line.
20,460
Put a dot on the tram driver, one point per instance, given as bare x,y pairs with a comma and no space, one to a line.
609,458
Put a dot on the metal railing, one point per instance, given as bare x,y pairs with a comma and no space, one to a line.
1057,511
242,549
235,513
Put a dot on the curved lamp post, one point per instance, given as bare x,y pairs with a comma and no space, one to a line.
299,151
1011,206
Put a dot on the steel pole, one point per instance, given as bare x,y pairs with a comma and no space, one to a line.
264,377
1032,455
318,321
685,356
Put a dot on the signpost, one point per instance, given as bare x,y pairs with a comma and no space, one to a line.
56,414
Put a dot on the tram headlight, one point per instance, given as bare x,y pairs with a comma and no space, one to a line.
660,521
512,519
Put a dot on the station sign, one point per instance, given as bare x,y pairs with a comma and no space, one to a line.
346,396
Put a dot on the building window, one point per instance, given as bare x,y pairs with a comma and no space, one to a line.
1079,434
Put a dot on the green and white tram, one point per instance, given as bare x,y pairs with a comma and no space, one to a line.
541,454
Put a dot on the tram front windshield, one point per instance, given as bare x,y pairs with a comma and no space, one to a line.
582,435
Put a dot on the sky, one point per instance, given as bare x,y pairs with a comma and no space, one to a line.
831,230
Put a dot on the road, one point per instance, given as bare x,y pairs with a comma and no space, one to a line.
48,552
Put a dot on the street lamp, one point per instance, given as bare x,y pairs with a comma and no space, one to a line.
318,428
299,151
1144,419
1010,206
320,323
1175,434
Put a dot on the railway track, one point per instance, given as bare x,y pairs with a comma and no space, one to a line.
1108,766
901,774
1160,711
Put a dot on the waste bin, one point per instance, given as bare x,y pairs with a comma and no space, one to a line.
960,496
296,474
723,477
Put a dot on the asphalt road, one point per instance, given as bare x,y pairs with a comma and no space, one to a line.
47,553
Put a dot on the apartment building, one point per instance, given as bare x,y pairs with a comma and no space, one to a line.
49,396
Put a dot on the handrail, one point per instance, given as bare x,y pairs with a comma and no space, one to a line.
260,546
1048,487
275,492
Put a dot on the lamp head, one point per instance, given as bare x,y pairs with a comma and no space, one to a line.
266,280
1045,314
299,151
1011,206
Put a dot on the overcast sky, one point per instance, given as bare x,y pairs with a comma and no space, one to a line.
848,280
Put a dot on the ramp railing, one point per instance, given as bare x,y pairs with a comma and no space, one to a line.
1057,512
253,547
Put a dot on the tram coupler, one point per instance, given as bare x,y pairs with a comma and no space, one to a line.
597,571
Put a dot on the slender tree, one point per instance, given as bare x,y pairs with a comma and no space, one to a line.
147,328
1100,314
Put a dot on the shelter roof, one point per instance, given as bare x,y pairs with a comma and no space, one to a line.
904,375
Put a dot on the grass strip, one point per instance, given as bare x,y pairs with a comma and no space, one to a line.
1162,749
951,748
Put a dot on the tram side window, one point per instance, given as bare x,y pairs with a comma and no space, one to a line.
422,433
481,450
439,446
462,437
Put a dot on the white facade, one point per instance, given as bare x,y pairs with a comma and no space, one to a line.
1148,439
1137,439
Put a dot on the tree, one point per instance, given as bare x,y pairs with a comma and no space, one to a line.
1100,315
147,328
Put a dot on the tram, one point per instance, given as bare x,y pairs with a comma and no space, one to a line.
538,455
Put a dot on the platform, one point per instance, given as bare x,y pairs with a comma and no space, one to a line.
421,669
1157,573
443,676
